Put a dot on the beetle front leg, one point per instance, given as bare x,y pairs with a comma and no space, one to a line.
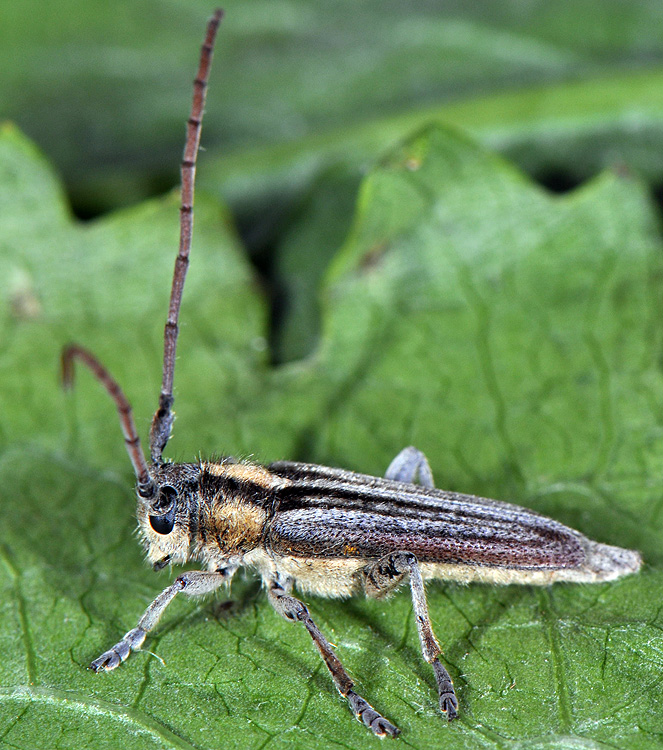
295,611
193,583
408,466
382,577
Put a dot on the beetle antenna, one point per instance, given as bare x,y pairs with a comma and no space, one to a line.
162,421
146,485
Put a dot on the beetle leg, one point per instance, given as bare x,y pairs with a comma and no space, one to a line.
295,611
408,466
382,577
193,583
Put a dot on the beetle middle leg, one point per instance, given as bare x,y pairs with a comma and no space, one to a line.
292,609
382,577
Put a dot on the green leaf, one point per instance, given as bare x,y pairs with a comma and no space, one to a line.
102,86
512,335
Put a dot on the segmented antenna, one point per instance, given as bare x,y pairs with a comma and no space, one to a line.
146,485
163,418
162,421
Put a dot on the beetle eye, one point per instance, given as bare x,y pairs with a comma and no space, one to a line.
163,522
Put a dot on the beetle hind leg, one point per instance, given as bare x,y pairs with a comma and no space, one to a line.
380,579
409,466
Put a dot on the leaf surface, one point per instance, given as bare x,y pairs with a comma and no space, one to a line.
512,335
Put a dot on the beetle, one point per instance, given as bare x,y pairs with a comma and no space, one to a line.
326,531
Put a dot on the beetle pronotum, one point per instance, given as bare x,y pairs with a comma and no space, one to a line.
326,531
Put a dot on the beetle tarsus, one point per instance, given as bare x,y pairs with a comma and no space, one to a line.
370,717
445,689
120,652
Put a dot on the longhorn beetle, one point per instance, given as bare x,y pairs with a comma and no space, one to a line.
327,531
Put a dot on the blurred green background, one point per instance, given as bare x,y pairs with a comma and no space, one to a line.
565,87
